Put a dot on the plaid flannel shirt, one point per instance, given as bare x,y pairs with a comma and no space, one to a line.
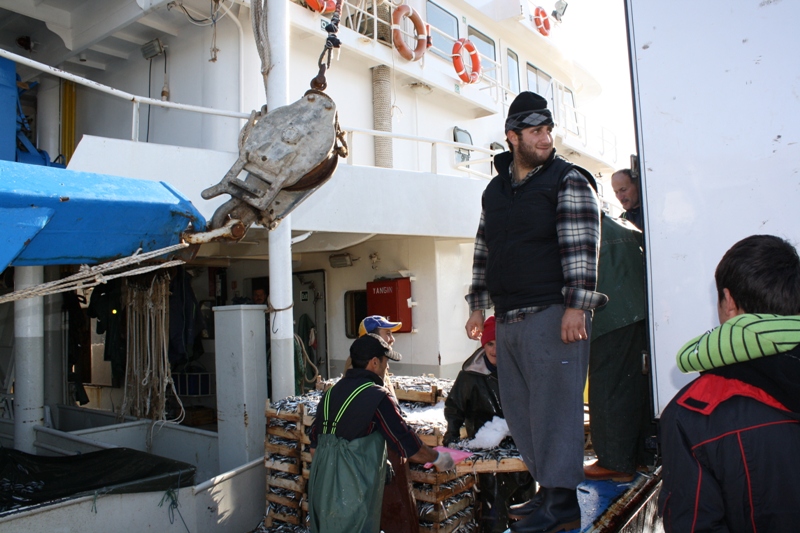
578,229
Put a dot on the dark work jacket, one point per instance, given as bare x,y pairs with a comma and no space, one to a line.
620,275
356,420
474,399
523,267
635,217
730,440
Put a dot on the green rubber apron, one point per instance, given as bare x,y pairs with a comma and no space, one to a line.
345,487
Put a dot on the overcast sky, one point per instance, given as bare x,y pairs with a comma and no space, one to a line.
595,31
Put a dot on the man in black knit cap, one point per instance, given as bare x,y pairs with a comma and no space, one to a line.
535,261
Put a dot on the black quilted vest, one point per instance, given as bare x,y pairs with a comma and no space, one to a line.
524,265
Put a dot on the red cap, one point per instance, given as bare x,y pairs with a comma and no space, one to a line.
488,334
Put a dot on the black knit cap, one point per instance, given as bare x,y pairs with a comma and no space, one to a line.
369,346
527,110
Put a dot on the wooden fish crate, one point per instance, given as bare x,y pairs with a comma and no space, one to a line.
430,397
273,517
431,476
432,487
440,492
444,527
491,466
284,466
432,440
445,510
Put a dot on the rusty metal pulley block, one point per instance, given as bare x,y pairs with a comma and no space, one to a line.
287,154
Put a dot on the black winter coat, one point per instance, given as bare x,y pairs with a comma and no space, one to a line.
474,399
731,449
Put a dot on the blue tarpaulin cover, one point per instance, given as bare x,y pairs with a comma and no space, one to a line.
52,216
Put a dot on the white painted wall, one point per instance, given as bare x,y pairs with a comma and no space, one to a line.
442,271
193,79
410,203
454,268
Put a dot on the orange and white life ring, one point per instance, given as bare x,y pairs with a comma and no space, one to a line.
458,61
419,28
542,21
322,6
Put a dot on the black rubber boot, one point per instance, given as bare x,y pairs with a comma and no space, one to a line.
521,510
558,511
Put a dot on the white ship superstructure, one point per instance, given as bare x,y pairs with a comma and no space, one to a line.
165,87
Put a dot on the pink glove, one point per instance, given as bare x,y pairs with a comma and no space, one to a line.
457,455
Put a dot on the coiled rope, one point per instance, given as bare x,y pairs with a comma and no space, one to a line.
147,372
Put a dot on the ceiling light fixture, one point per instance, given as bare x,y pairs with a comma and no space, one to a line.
152,48
341,260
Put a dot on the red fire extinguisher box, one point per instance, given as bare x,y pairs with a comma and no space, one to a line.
389,298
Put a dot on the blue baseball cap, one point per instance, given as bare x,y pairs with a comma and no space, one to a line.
371,323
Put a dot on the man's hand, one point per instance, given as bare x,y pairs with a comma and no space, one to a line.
444,461
573,326
474,325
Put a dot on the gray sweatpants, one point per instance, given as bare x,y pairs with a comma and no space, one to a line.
541,387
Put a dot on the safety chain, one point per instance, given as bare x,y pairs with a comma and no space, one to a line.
319,83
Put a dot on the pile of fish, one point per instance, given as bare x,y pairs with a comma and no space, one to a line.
290,403
13,494
428,427
506,450
469,525
283,493
423,384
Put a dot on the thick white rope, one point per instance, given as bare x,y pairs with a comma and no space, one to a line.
92,276
147,374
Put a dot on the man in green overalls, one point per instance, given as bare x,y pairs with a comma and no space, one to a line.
355,420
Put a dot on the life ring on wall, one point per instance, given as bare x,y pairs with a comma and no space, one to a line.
458,61
322,6
542,21
402,48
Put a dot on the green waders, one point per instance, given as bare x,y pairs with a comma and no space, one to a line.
345,488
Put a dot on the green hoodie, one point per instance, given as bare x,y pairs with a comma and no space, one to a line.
742,338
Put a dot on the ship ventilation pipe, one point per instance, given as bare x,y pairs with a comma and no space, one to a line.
54,360
382,114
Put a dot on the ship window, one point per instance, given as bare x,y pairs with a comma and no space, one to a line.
447,24
539,82
513,71
569,111
463,137
355,310
485,46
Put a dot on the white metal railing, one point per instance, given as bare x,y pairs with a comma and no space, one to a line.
135,100
574,124
434,143
464,166
361,17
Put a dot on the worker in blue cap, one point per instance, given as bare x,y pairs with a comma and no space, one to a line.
381,326
399,505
